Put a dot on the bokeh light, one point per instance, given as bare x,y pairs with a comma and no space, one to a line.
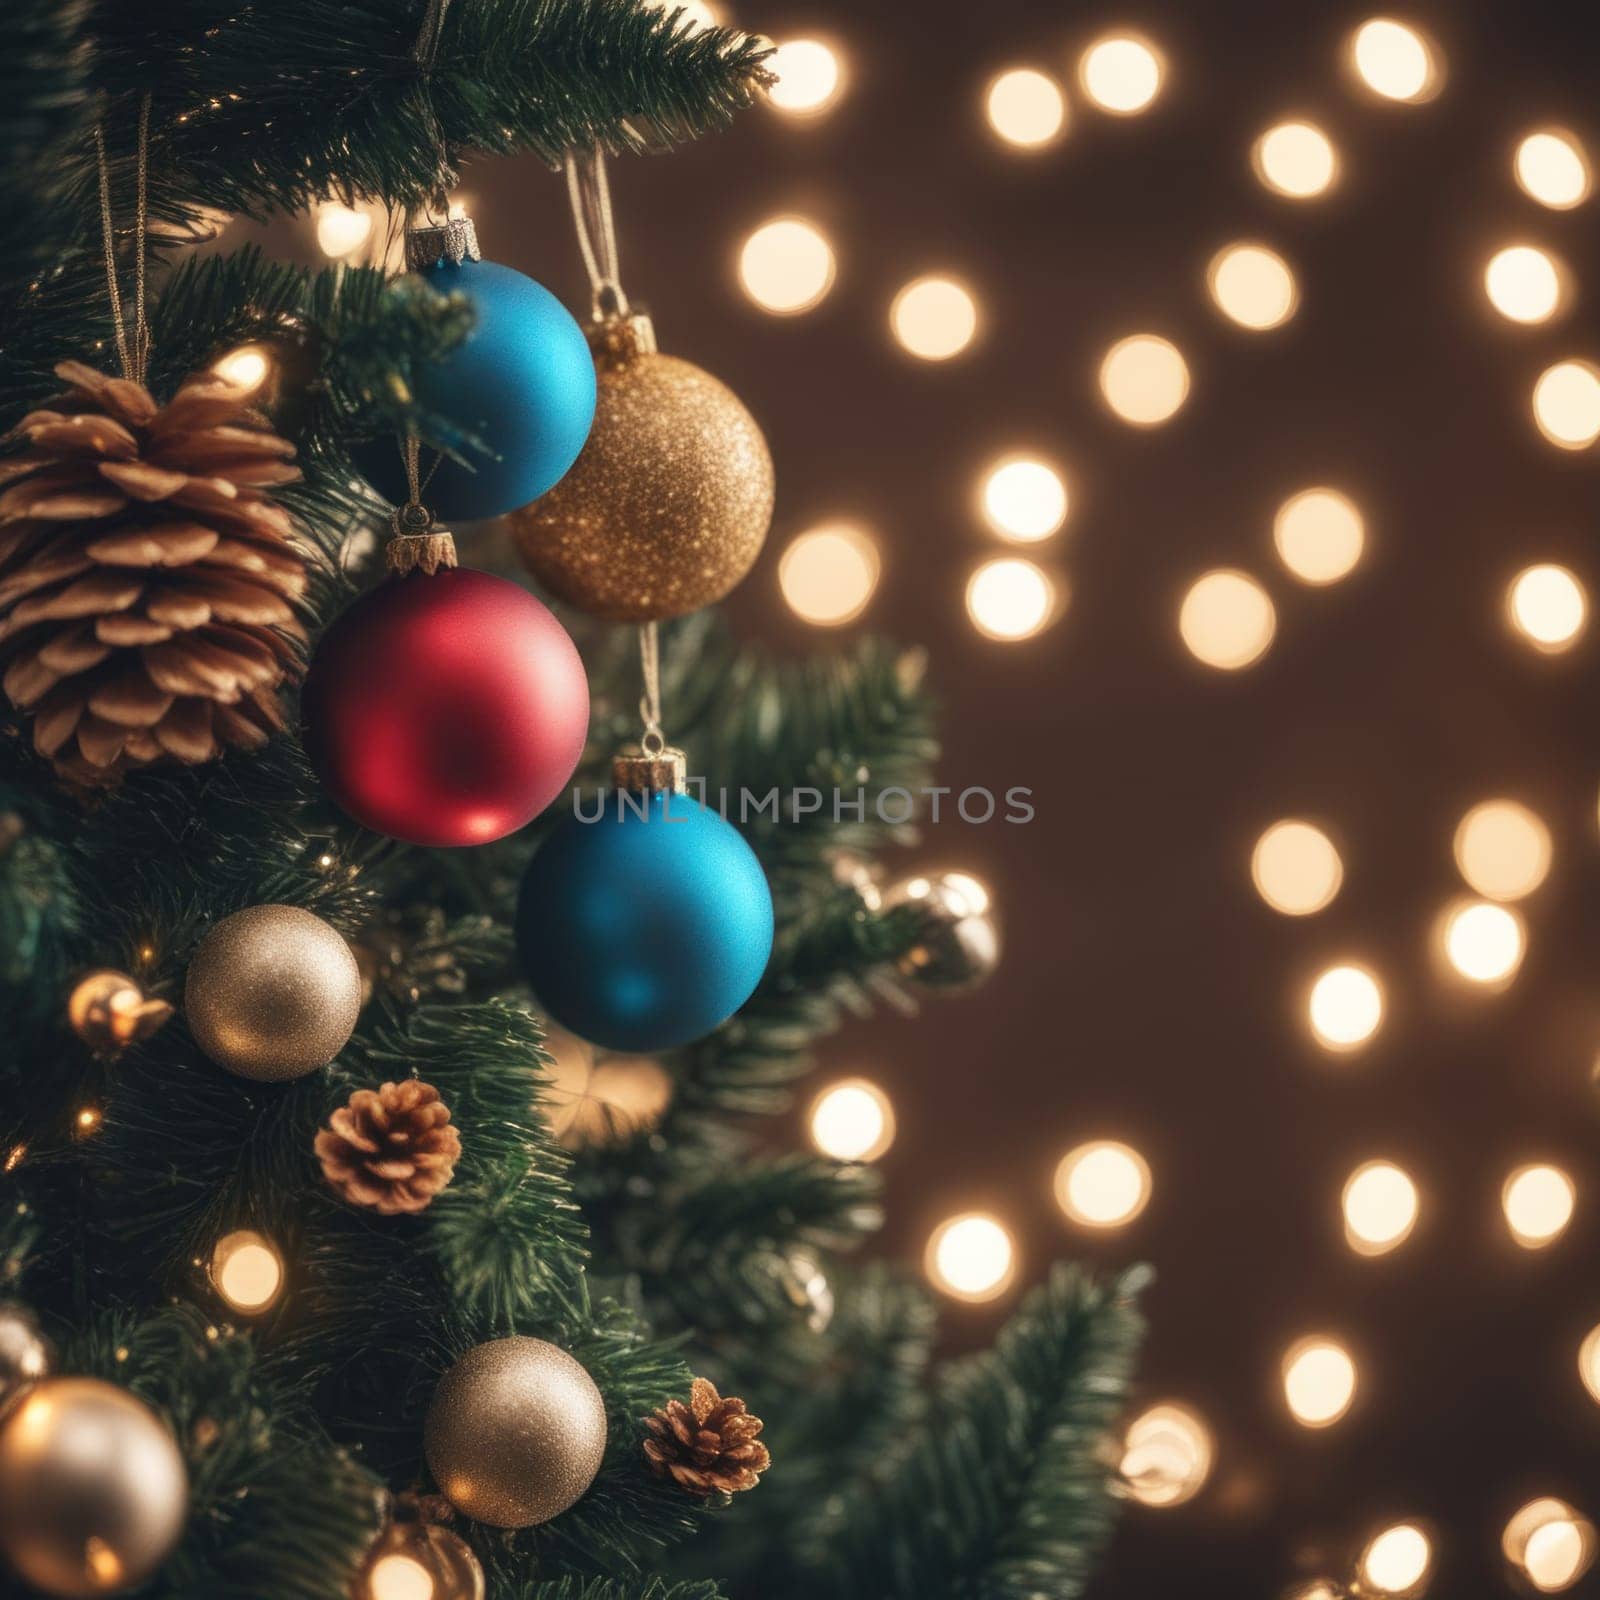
247,1271
786,266
1550,1543
934,318
693,15
971,1257
1252,286
829,573
808,76
1502,849
1524,283
1484,942
1380,1208
1025,107
341,231
1121,74
1296,868
1395,61
1345,1006
1102,1185
1010,599
245,368
1319,534
398,1577
1024,499
1552,167
1548,606
1319,1381
1166,1456
1397,1560
1295,159
1538,1201
1566,404
1144,379
852,1120
1227,620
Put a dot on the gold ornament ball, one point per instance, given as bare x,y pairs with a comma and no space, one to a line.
25,1353
958,941
516,1432
108,1010
273,993
669,504
419,1561
93,1490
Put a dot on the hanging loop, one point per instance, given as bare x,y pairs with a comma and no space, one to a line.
589,193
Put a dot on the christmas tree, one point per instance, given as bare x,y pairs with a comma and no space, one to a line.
330,1268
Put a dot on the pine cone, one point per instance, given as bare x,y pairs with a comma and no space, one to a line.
146,576
708,1446
391,1149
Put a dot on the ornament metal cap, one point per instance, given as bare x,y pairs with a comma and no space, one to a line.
415,544
618,339
454,240
641,770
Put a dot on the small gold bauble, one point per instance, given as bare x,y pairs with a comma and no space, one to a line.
593,1104
273,993
669,504
25,1353
93,1491
410,1560
515,1433
109,1010
958,944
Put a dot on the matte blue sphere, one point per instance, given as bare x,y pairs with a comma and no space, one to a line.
646,928
522,382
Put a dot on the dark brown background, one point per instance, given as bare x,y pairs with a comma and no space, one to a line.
1147,993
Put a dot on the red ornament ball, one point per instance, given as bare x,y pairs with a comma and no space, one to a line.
446,709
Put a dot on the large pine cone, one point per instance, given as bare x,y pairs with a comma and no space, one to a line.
146,577
390,1149
708,1446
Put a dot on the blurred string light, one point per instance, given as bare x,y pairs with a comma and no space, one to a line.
1552,167
1547,606
1589,1362
1345,1006
1227,620
1398,1560
934,317
786,266
1524,283
1121,73
1144,379
1025,107
1484,942
245,369
1102,1185
1380,1208
1550,1543
1566,404
1010,599
1296,868
1252,286
1319,535
693,15
1024,499
971,1257
829,573
1166,1456
1502,849
1319,1381
342,230
1395,61
808,77
1296,160
246,1270
399,1577
1538,1201
852,1120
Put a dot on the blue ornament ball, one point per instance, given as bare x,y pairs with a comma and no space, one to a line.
522,383
647,927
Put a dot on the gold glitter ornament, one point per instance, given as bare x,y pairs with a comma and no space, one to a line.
515,1433
668,505
272,993
93,1490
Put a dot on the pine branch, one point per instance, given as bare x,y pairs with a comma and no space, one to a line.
610,1589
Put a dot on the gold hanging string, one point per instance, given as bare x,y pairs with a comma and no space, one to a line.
653,741
425,52
589,192
132,351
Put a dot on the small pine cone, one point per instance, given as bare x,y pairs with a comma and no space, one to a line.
147,578
708,1446
390,1149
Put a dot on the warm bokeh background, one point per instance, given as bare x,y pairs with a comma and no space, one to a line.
1148,994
